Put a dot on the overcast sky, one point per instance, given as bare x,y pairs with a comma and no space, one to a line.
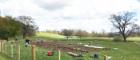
90,15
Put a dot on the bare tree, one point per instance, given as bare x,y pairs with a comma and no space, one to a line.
124,22
81,33
28,26
67,33
136,32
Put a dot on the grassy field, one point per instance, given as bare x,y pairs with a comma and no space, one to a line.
4,57
60,37
49,36
124,51
26,53
134,38
118,51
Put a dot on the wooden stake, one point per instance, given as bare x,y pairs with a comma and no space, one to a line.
4,47
12,51
104,57
59,54
18,52
33,52
1,46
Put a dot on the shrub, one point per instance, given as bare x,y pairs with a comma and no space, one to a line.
117,38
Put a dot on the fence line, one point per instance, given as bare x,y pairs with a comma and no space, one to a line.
4,48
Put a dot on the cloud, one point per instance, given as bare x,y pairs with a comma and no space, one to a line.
76,17
76,14
2,1
51,4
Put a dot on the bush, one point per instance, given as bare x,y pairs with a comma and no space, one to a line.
117,38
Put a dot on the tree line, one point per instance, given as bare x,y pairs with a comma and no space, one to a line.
123,22
10,27
83,33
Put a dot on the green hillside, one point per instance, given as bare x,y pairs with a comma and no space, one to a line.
49,35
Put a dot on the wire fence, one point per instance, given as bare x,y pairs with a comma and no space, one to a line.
18,51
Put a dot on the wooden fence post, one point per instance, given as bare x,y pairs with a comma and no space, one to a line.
1,46
4,47
33,52
12,51
59,58
104,57
18,52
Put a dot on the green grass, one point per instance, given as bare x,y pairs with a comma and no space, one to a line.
4,57
49,35
134,38
53,36
26,54
125,50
